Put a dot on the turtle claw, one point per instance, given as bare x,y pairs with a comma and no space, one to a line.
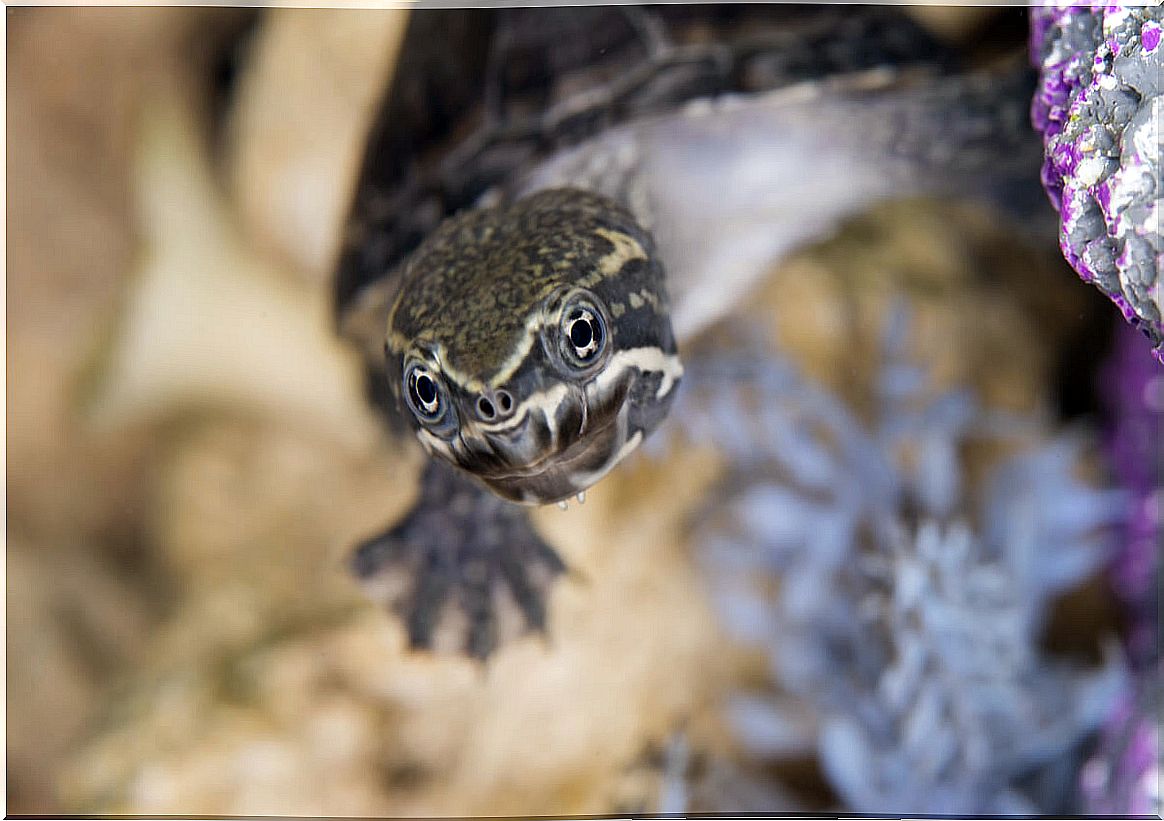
465,570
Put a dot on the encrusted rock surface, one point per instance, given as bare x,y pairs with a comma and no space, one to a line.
1100,108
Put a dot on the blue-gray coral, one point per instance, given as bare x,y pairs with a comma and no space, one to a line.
899,601
1100,109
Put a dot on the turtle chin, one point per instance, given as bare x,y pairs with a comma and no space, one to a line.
566,436
568,471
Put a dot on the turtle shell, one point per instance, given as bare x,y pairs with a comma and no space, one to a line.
480,94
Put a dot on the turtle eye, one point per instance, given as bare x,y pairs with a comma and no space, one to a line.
583,334
425,394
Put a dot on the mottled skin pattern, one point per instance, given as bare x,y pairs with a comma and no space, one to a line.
506,261
484,311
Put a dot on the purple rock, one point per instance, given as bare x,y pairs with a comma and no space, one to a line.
1099,108
1123,777
1134,388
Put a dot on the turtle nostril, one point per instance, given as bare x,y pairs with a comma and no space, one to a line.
494,405
485,408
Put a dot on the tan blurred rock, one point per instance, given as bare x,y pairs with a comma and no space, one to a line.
209,323
303,106
73,624
273,655
255,502
73,90
79,583
952,22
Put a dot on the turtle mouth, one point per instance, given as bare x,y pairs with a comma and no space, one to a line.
565,473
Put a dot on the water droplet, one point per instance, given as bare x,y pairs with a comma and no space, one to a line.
581,497
563,505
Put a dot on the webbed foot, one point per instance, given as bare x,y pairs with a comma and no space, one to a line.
465,570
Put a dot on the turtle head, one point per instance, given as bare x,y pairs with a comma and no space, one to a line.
531,343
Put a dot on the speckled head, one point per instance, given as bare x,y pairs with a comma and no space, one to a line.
532,344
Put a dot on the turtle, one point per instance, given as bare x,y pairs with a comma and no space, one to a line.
553,201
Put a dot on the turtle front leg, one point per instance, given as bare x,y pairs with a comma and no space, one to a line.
465,570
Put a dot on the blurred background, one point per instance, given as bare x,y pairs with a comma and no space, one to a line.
880,578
